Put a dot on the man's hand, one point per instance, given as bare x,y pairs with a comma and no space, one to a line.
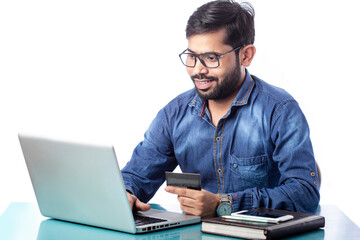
136,203
200,203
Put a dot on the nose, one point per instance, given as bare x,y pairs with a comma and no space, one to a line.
200,68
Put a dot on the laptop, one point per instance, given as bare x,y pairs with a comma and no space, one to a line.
82,183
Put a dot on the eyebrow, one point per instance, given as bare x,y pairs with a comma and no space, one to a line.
216,53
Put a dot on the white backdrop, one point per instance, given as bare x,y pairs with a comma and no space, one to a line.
100,71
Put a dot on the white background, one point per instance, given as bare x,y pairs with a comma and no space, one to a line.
100,71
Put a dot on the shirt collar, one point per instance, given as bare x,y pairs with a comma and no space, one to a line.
241,98
244,93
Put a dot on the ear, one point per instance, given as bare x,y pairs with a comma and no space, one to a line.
247,54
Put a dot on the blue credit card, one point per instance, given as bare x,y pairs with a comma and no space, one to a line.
185,180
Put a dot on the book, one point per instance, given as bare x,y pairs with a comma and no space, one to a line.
301,223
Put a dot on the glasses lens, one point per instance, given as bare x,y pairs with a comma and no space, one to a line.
208,60
188,59
211,60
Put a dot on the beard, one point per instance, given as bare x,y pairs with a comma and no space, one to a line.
230,84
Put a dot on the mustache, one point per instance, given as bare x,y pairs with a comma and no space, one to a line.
203,76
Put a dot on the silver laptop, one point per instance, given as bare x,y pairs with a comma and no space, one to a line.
82,183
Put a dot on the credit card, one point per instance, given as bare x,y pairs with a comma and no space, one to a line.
185,180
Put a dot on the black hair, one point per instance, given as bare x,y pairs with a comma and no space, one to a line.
237,19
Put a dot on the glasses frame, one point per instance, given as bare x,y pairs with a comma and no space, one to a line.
197,56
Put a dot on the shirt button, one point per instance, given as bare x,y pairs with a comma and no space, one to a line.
315,183
219,171
235,165
312,174
218,139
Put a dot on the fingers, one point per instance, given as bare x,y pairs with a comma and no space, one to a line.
131,199
140,206
186,202
190,206
201,203
181,191
136,204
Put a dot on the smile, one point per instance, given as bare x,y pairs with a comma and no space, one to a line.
204,85
203,82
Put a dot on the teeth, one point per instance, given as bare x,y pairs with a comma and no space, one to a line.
204,82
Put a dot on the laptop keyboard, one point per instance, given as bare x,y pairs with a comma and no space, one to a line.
143,220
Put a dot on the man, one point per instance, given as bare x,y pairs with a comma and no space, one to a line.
248,140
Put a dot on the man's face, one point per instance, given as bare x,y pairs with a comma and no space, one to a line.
214,83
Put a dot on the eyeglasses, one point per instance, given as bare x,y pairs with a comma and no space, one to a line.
209,60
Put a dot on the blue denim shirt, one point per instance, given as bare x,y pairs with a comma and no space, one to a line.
260,153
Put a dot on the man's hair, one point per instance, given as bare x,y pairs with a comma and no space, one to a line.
237,19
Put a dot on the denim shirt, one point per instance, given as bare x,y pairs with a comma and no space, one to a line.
260,153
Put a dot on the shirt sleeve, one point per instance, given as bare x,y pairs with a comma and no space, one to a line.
145,172
298,188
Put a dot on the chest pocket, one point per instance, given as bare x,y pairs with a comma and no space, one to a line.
248,172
